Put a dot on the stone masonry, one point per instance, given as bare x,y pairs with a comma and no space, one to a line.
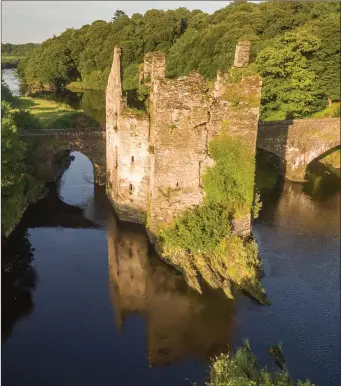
298,142
156,159
242,54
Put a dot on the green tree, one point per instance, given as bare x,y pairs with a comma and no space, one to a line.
289,84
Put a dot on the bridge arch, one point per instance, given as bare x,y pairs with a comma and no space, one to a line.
48,143
299,142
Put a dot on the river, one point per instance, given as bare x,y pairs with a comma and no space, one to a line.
86,302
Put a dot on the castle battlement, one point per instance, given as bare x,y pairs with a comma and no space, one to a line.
156,160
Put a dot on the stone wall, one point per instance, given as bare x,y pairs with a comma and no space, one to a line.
242,54
298,142
155,161
50,143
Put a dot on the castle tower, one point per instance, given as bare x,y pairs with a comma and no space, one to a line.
242,54
156,158
113,96
154,67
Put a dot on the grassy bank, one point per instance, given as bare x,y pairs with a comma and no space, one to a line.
332,159
47,114
10,61
332,111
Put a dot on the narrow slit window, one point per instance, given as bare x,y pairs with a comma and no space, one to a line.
130,188
132,159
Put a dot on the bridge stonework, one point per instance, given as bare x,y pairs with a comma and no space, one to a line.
298,142
49,143
156,158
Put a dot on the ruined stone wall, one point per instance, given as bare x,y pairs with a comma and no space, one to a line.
242,54
132,166
298,142
127,151
159,159
179,111
113,107
154,67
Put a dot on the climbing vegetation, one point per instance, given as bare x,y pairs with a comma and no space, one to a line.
200,242
230,183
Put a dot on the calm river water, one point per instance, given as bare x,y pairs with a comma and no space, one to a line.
86,302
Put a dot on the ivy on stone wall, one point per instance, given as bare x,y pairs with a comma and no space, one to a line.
200,243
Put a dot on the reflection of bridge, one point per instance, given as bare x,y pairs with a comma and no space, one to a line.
90,142
298,142
51,212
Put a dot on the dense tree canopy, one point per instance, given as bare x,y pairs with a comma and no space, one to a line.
17,49
300,38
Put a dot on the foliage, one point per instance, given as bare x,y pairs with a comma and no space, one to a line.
332,111
8,49
230,183
25,120
18,184
11,54
332,159
200,243
6,94
10,61
288,88
242,369
195,41
198,230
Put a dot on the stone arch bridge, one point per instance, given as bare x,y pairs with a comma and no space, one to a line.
49,143
299,142
296,143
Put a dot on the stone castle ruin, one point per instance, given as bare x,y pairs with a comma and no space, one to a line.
156,158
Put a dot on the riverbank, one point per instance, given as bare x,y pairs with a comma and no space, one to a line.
49,114
10,61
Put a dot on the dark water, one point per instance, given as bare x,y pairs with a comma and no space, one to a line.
85,302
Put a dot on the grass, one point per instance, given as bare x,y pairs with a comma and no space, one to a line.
10,61
75,86
54,115
332,111
332,159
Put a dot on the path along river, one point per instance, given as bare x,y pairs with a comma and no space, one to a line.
84,302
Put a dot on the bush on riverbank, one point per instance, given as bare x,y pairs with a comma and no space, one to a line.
200,243
19,186
243,369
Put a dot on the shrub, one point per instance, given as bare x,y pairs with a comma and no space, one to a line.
243,369
25,120
230,182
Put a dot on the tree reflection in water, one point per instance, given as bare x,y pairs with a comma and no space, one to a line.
18,282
